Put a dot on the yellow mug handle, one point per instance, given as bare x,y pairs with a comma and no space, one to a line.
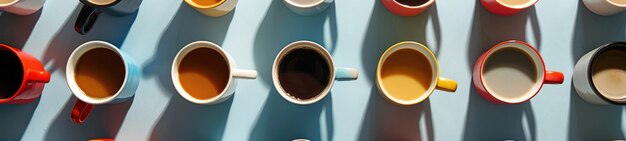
446,84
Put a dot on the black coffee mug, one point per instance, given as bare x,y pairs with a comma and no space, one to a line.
92,8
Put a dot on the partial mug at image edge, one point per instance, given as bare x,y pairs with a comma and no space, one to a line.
21,7
22,75
600,75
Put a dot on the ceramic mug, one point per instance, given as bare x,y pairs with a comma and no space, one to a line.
303,72
308,7
93,8
21,7
512,72
204,73
102,139
408,73
605,7
22,76
407,7
507,7
98,73
600,75
213,8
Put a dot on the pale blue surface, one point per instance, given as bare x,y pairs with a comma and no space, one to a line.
356,32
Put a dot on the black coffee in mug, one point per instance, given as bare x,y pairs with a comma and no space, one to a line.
11,74
412,2
304,73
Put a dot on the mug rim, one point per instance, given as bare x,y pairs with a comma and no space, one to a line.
428,54
196,5
183,53
426,4
519,6
9,3
24,73
75,57
532,53
290,2
591,65
616,4
310,45
89,3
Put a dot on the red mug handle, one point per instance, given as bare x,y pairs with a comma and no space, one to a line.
80,111
554,77
38,76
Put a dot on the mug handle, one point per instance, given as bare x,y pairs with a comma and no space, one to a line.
245,74
554,77
446,84
86,19
80,111
344,74
38,76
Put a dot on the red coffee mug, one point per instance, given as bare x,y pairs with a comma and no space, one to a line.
29,76
516,75
406,10
506,9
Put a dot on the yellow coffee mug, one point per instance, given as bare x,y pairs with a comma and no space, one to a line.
213,8
408,73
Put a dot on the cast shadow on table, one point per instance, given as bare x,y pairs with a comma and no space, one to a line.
281,26
488,121
16,29
103,122
184,120
386,29
589,121
15,118
188,25
281,120
107,28
387,121
488,29
592,31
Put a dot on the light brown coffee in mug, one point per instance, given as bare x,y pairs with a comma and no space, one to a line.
510,73
406,74
620,2
513,2
203,73
100,73
609,73
206,2
101,2
306,2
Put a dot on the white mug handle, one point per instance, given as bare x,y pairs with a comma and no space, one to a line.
245,74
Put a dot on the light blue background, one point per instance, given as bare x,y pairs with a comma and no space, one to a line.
356,32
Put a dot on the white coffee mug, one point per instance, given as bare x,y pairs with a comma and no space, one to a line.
21,7
84,103
233,73
333,72
600,75
605,7
308,7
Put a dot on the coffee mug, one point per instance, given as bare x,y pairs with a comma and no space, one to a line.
605,7
204,73
600,75
92,8
98,73
408,73
21,7
303,72
512,72
407,7
102,139
308,7
213,8
507,7
22,76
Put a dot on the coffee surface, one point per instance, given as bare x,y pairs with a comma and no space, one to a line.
6,1
304,73
101,2
206,2
510,73
514,2
609,73
620,2
406,74
306,2
100,73
203,73
11,74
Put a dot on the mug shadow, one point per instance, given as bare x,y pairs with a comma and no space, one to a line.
112,29
386,29
15,119
387,121
488,121
188,25
16,29
589,121
103,122
592,31
282,120
281,27
183,120
488,29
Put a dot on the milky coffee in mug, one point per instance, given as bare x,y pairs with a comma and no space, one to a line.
100,73
514,2
203,73
101,2
608,73
510,80
405,76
